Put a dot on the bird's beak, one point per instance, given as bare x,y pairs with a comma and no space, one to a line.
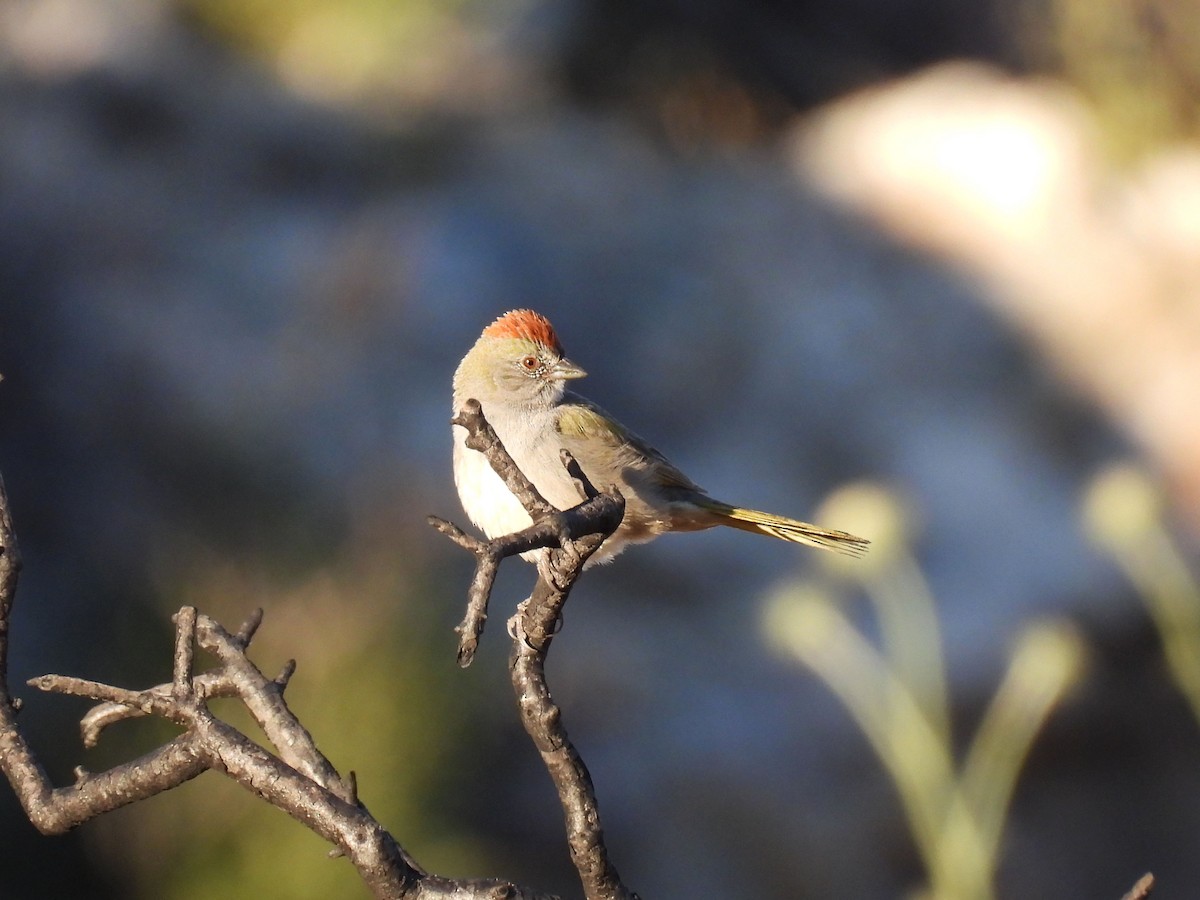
565,370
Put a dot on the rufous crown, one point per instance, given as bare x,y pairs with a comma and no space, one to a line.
525,324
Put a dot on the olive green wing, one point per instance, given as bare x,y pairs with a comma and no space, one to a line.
609,453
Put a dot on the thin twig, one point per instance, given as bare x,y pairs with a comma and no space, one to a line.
212,684
599,514
216,683
263,698
185,651
146,702
559,530
1142,889
249,628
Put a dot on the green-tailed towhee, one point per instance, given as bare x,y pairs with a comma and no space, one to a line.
518,373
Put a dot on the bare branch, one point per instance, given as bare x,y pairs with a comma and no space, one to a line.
145,702
263,698
542,719
570,538
209,685
482,437
487,564
597,517
216,683
52,810
303,783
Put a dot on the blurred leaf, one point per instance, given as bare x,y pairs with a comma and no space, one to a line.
1139,64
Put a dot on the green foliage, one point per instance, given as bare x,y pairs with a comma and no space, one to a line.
896,693
356,52
1125,514
1138,64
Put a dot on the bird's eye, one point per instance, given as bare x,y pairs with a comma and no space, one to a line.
531,363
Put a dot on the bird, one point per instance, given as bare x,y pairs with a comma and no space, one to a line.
518,372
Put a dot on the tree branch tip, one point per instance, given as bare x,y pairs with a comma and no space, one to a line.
452,531
285,674
16,704
249,628
1142,888
460,537
466,652
445,526
82,775
468,415
471,409
185,612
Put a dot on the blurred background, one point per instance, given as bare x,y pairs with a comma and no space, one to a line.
946,253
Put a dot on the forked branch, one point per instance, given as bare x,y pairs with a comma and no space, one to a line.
569,538
299,780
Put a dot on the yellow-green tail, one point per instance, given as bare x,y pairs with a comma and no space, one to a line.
788,529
